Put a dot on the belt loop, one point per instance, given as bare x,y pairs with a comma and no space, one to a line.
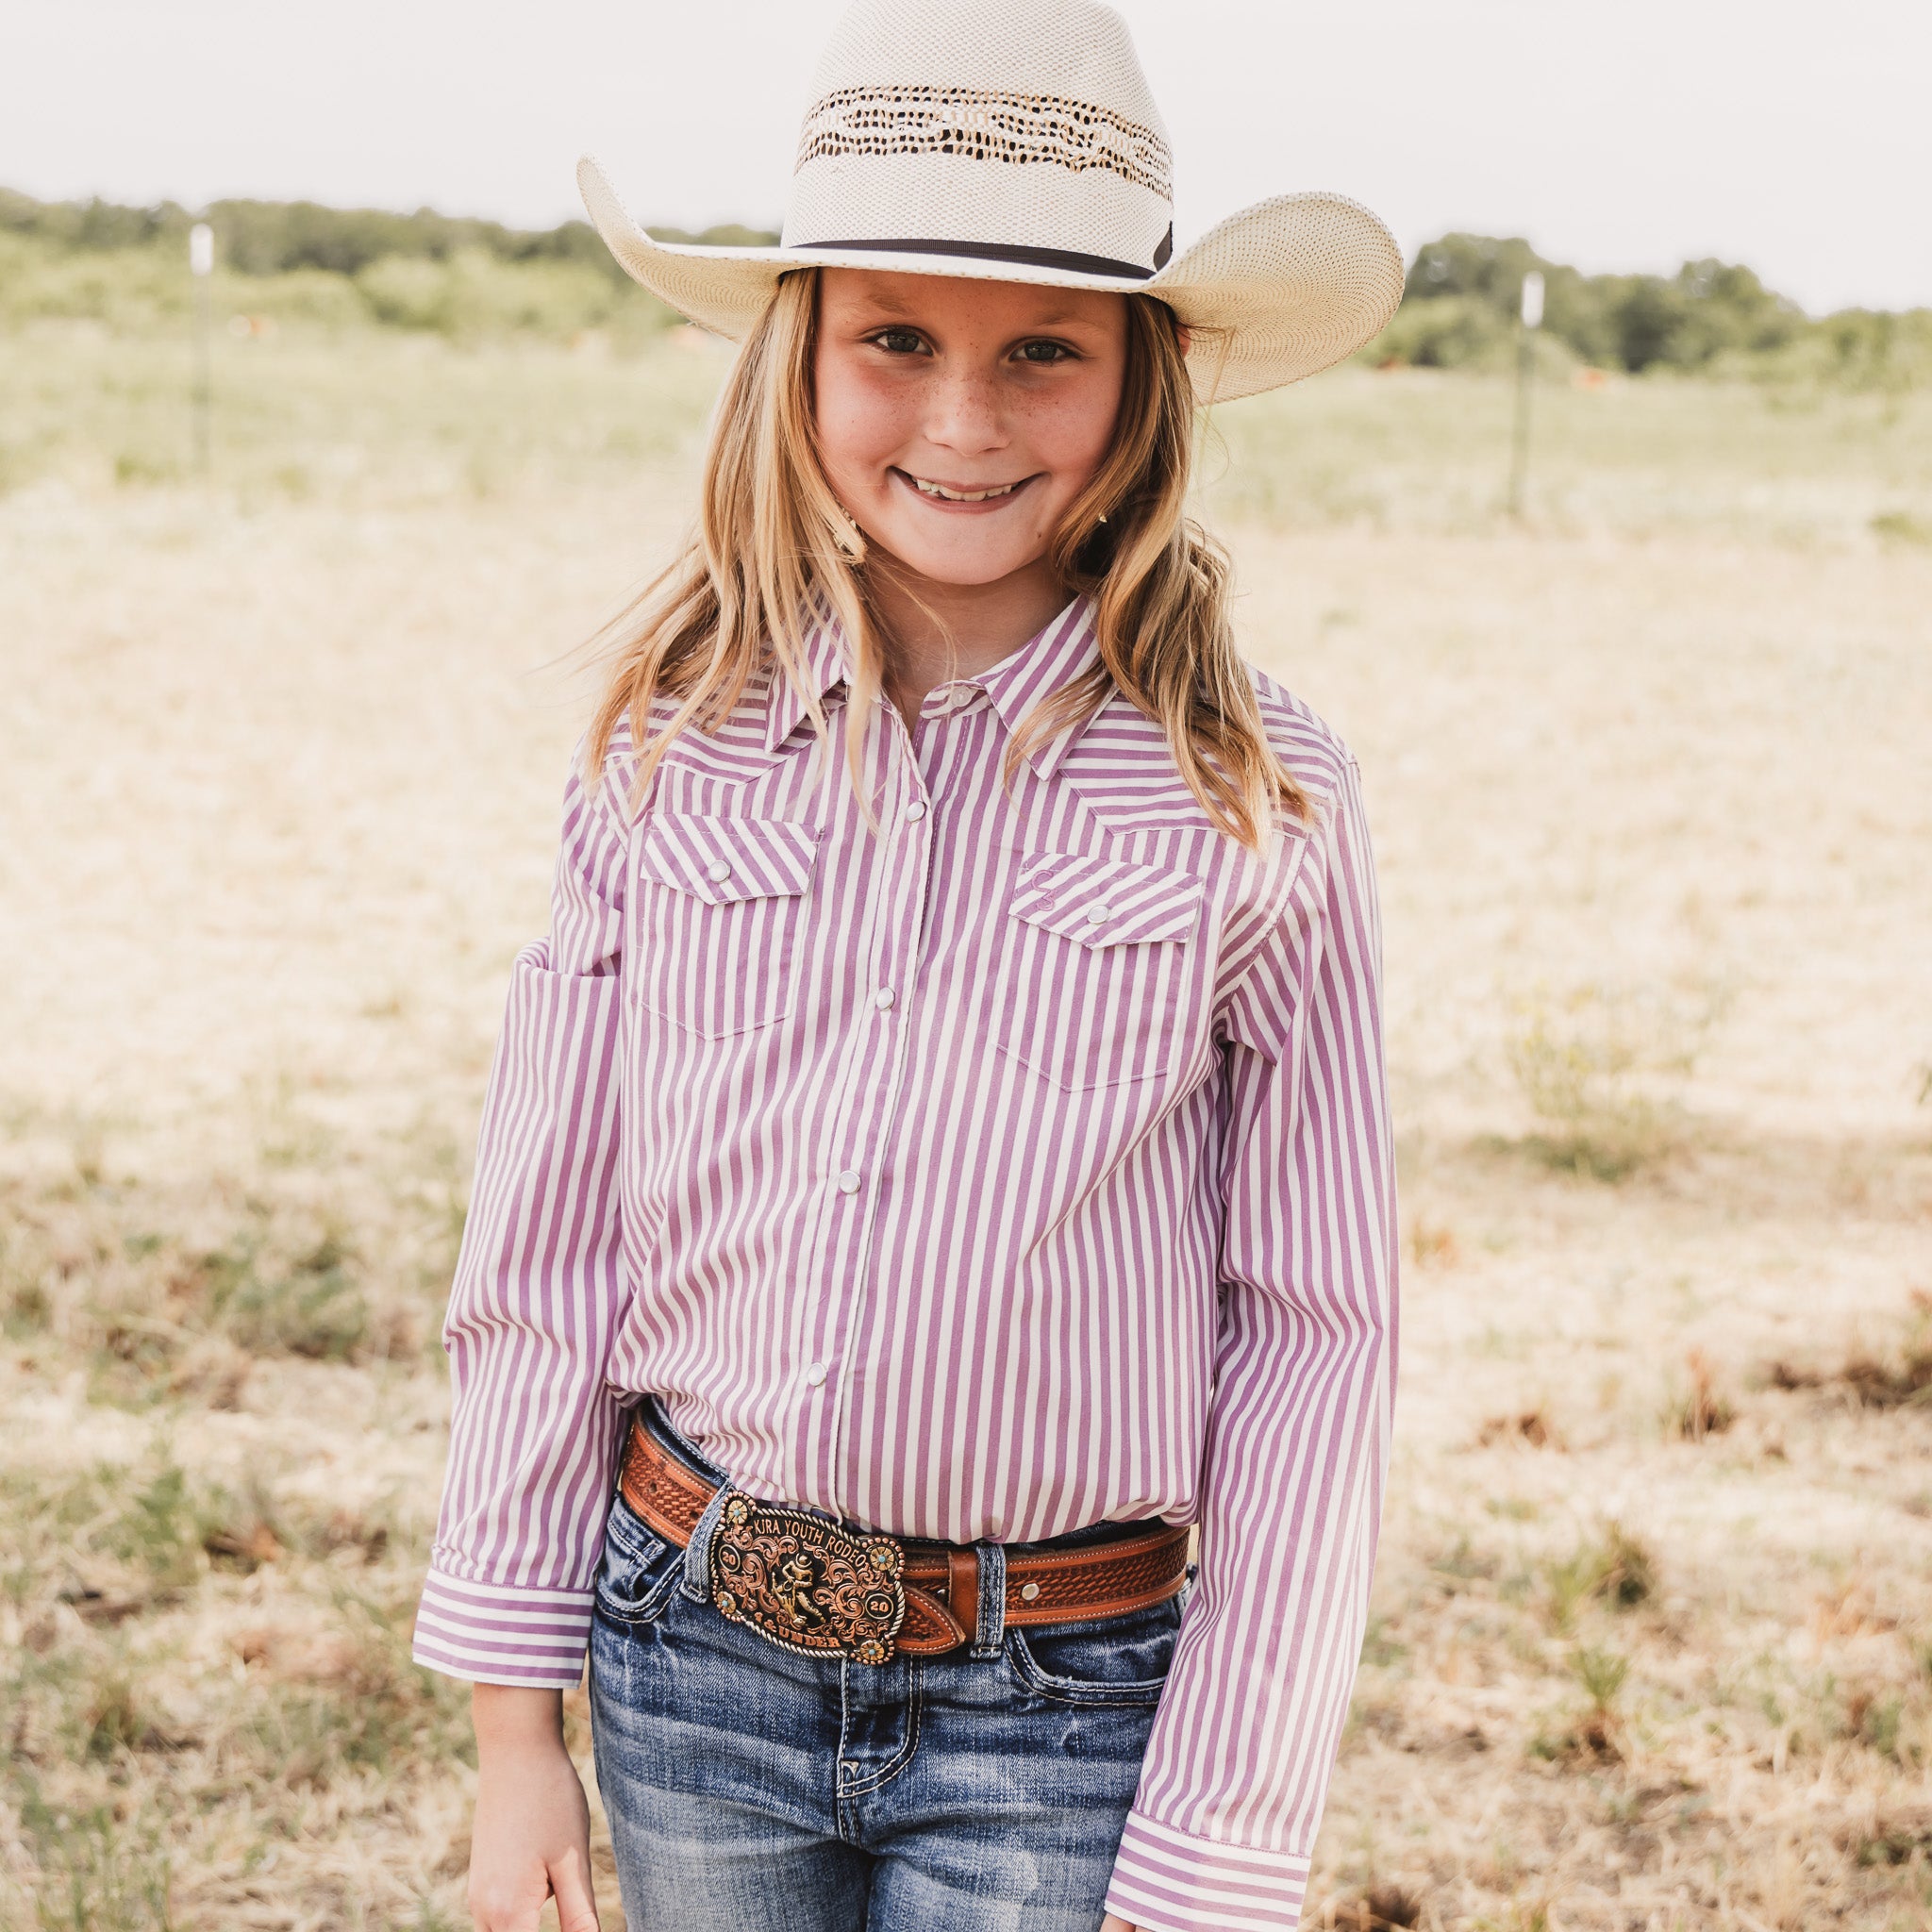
991,1634
697,1552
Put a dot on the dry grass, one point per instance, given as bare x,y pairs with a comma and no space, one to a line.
1652,1642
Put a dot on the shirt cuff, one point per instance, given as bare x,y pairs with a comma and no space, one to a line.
1171,1881
503,1633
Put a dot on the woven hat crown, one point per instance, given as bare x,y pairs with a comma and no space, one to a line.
1018,130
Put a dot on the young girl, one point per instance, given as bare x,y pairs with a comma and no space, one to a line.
938,1157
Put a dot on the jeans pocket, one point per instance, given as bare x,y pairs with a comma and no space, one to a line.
639,1570
1123,1660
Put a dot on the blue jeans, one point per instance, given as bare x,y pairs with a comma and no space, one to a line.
751,1790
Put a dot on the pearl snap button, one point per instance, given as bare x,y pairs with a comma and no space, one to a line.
884,998
718,871
848,1181
1028,1592
915,811
1097,913
815,1374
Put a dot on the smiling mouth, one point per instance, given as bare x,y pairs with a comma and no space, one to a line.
944,492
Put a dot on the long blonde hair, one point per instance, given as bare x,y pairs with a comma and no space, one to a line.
774,549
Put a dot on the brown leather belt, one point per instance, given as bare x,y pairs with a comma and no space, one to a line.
814,1587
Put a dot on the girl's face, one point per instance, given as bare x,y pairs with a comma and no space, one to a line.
958,420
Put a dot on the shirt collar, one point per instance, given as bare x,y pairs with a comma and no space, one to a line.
1043,667
825,672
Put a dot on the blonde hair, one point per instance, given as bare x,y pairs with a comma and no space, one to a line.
774,549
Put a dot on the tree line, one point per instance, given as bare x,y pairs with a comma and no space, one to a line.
462,275
272,238
1465,292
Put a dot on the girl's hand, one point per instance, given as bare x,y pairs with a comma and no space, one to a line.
531,1837
1110,1924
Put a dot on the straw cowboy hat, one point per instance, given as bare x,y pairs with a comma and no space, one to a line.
1016,141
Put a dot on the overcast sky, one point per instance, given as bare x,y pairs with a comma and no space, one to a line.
1795,138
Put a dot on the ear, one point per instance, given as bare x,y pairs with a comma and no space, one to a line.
1185,336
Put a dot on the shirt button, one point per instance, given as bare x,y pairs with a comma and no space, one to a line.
848,1181
883,998
815,1374
915,811
1097,913
718,872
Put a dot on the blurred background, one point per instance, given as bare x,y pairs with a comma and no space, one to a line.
1624,613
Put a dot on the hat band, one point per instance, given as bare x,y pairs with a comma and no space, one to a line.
1068,260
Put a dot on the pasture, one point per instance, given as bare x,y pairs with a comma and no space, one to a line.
1652,1638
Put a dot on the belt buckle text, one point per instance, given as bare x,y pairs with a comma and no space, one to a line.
806,1584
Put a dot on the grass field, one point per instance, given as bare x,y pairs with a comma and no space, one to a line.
1652,1642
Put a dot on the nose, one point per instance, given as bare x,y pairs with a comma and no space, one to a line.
964,412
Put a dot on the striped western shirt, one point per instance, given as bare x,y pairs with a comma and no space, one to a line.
1015,1162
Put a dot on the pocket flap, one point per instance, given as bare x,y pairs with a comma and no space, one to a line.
1106,902
724,860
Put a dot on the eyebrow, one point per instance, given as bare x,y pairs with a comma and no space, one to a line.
895,305
892,305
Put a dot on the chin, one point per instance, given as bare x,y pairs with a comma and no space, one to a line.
966,566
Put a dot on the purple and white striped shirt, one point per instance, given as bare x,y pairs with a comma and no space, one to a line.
1021,1165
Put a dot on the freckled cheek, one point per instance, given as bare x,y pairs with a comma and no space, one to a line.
860,429
1067,436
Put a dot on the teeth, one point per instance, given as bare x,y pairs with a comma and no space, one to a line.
946,496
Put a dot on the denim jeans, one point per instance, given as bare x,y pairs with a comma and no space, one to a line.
751,1790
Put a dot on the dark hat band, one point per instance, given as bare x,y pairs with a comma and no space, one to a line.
1068,260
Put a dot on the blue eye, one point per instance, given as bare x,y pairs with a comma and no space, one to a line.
1046,353
898,341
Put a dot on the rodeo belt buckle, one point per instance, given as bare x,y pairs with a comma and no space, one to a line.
806,1584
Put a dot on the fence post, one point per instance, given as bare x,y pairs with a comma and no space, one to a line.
201,263
1531,320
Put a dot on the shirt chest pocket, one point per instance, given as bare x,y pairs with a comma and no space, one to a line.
1106,961
718,920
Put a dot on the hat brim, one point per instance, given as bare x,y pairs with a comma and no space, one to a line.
1279,292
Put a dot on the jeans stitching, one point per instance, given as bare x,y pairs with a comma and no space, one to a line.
633,1536
648,1609
697,1578
915,1698
988,1637
1140,1690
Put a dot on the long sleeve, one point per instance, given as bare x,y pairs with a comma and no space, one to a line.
538,1296
1297,1442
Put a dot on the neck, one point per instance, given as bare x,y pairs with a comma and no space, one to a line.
931,631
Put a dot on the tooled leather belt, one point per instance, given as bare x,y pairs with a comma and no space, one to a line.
814,1587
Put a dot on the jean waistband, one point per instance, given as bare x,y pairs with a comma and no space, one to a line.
652,1416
